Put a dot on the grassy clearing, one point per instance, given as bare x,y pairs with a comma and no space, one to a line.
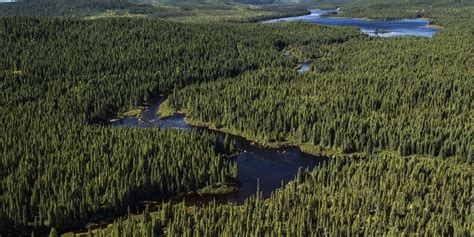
165,111
219,188
435,26
225,12
114,13
204,12
17,72
133,113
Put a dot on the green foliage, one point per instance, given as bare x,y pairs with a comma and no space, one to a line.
183,11
224,12
443,12
407,94
70,8
53,233
376,195
60,77
165,111
59,168
407,2
227,10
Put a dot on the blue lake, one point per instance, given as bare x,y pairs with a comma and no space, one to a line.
403,27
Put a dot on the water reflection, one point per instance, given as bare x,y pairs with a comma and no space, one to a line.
404,27
270,168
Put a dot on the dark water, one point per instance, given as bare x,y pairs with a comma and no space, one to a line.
149,119
270,168
405,27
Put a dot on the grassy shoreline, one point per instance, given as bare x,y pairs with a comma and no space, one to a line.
304,147
315,150
165,111
435,26
136,112
219,189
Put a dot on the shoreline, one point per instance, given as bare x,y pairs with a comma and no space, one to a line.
434,26
303,147
264,18
218,189
306,148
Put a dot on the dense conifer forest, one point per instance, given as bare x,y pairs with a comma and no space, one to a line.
397,114
60,77
190,11
407,94
372,195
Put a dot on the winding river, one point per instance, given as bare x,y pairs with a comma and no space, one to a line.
403,27
269,167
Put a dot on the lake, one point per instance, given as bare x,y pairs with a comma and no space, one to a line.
269,167
390,28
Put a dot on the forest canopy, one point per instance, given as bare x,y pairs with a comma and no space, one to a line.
398,113
59,78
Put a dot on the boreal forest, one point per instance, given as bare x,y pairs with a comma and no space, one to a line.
153,118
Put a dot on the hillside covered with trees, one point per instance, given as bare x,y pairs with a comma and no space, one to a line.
181,11
396,114
61,77
373,195
410,95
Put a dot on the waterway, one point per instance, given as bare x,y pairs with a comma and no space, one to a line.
379,28
269,168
